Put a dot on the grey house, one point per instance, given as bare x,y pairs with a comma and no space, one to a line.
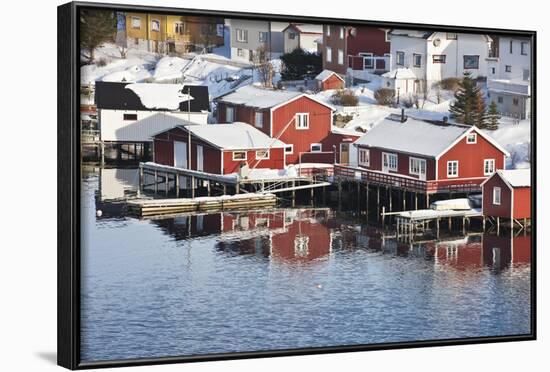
248,38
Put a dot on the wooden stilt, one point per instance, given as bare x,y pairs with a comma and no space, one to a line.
140,188
177,185
293,194
192,187
209,188
404,206
498,225
390,201
415,201
156,184
166,185
367,202
427,200
377,201
484,222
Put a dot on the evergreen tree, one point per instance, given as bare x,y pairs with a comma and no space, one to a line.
96,28
300,64
479,111
469,105
493,117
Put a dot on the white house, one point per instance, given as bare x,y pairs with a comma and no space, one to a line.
509,77
127,112
248,37
433,56
302,36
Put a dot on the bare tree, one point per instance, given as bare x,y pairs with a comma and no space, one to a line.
263,65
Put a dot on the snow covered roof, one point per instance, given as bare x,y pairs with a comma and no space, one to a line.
325,74
516,177
412,33
254,96
400,73
306,28
160,96
234,136
151,97
413,136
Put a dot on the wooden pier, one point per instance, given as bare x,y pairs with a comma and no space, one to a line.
153,207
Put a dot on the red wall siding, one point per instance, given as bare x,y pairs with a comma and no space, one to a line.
368,40
502,210
522,202
320,118
402,163
470,158
164,150
244,114
333,82
318,236
275,161
468,256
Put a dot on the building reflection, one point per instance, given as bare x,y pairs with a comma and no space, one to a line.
474,252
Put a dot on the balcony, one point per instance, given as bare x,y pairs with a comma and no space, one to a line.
408,183
519,87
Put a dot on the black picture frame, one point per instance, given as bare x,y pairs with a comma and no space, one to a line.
68,249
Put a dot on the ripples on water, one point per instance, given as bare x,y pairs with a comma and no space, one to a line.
283,279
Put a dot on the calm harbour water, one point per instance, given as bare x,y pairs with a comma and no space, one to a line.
282,279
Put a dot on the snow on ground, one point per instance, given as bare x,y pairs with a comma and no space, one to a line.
516,138
136,67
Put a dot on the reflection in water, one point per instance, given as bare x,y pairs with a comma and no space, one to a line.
284,278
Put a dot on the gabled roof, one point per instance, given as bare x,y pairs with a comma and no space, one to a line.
325,74
263,98
151,97
418,137
514,177
234,136
304,28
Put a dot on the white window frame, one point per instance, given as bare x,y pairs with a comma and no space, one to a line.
315,145
391,155
157,22
340,57
229,109
468,141
419,160
179,27
291,146
239,152
497,191
452,175
451,36
523,48
265,157
342,32
264,38
328,56
241,35
363,157
136,21
489,167
387,37
368,60
299,121
419,65
259,123
397,54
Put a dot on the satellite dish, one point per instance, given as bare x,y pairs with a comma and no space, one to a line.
437,42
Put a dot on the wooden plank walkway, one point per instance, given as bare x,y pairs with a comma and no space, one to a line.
151,207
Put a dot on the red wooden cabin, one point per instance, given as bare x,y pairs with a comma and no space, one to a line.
362,47
427,157
218,148
329,80
508,194
302,122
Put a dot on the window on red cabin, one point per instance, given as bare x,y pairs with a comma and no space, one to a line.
262,154
229,114
488,167
471,138
302,120
496,195
239,155
364,157
316,147
452,168
129,117
259,119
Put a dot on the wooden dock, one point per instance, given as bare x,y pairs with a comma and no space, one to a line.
152,207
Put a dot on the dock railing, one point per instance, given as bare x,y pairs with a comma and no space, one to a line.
408,183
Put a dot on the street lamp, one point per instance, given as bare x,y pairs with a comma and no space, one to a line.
398,89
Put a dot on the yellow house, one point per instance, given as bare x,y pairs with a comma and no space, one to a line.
146,31
172,33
